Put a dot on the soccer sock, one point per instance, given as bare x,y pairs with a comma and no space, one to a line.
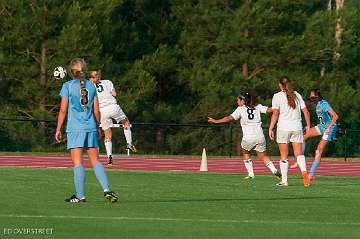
301,162
101,176
108,147
127,133
314,166
249,167
303,147
271,166
284,167
79,181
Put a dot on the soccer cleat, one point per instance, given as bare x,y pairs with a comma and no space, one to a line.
109,164
131,147
306,179
111,196
294,165
249,177
282,184
278,174
311,178
74,199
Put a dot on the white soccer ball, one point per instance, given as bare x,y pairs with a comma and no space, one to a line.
59,73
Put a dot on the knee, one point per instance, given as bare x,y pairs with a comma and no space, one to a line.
107,139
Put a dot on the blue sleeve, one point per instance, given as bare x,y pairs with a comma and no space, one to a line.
326,106
64,91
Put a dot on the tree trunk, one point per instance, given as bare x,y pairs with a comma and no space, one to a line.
338,28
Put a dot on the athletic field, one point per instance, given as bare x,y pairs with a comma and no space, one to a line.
169,198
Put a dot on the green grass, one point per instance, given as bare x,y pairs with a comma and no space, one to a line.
179,205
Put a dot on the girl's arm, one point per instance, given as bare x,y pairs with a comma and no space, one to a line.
307,119
96,110
269,110
273,121
61,118
333,121
225,119
113,93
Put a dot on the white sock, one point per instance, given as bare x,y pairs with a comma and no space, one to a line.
127,133
108,147
271,166
284,167
249,167
301,162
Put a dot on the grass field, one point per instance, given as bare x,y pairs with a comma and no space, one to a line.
179,205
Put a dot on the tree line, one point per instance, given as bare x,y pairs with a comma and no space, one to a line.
176,61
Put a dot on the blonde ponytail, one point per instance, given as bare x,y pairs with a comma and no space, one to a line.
77,70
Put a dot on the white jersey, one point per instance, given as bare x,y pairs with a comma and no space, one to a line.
104,91
289,118
250,120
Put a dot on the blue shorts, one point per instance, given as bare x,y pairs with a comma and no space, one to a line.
82,140
332,134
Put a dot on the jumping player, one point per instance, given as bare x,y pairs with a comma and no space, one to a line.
79,100
287,106
326,128
249,113
109,110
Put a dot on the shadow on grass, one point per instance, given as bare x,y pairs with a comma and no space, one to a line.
223,199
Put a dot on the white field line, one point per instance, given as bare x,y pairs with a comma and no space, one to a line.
181,220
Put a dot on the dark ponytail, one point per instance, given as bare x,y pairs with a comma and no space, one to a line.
289,90
250,100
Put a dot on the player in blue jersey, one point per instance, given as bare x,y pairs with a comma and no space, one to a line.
79,101
326,128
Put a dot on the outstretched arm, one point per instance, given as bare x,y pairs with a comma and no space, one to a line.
225,119
269,110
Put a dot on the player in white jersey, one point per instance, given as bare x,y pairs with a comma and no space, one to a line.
287,106
109,110
249,114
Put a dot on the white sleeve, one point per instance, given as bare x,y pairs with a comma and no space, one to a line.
261,108
236,114
301,101
111,86
275,104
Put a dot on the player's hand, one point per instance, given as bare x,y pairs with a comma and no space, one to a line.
271,134
307,129
58,136
211,120
99,133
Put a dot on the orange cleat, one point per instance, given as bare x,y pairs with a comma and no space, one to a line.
306,179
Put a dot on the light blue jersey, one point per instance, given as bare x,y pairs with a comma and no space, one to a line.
78,119
322,111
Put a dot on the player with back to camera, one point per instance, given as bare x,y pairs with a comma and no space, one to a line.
287,106
80,102
109,110
249,113
326,128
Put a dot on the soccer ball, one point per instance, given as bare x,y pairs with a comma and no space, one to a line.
59,73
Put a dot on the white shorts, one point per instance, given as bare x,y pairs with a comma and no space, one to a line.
109,113
285,137
258,145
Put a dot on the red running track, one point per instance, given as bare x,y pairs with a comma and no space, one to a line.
337,168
